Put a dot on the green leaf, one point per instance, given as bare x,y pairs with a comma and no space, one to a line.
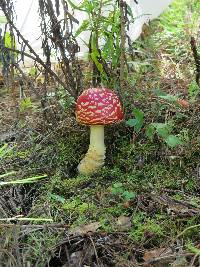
25,103
162,129
128,195
173,141
95,53
56,198
7,174
131,122
83,27
165,96
138,121
170,98
117,189
74,6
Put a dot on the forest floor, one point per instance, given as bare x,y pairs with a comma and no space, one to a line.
143,207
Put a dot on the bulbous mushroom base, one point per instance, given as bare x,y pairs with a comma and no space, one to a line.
92,162
94,158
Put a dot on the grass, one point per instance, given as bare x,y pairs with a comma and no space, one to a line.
153,184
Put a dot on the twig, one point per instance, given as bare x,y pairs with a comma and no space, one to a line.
123,41
95,251
196,59
193,260
185,230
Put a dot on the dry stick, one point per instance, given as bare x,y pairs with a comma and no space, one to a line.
58,40
123,42
95,251
35,57
193,260
196,59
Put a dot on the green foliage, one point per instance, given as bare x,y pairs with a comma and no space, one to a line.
25,104
143,226
163,130
33,71
137,123
163,155
104,28
78,206
3,151
119,190
193,91
66,102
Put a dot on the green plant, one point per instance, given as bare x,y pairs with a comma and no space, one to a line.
163,130
119,190
3,151
29,180
193,91
25,104
103,24
144,226
137,123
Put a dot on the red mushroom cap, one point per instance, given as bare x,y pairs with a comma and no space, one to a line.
98,106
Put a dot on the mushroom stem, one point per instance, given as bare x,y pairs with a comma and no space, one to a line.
94,158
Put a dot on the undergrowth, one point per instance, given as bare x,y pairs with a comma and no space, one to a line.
152,159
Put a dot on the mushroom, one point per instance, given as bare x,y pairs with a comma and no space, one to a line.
97,107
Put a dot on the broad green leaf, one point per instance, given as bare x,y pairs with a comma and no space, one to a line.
166,96
56,198
173,141
131,122
128,195
162,129
138,121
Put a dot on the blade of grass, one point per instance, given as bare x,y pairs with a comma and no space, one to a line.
27,219
24,181
7,174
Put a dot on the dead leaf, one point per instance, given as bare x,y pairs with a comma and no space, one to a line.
128,204
84,229
155,253
124,223
183,103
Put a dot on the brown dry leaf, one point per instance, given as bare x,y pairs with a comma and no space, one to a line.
183,103
84,229
123,223
155,253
